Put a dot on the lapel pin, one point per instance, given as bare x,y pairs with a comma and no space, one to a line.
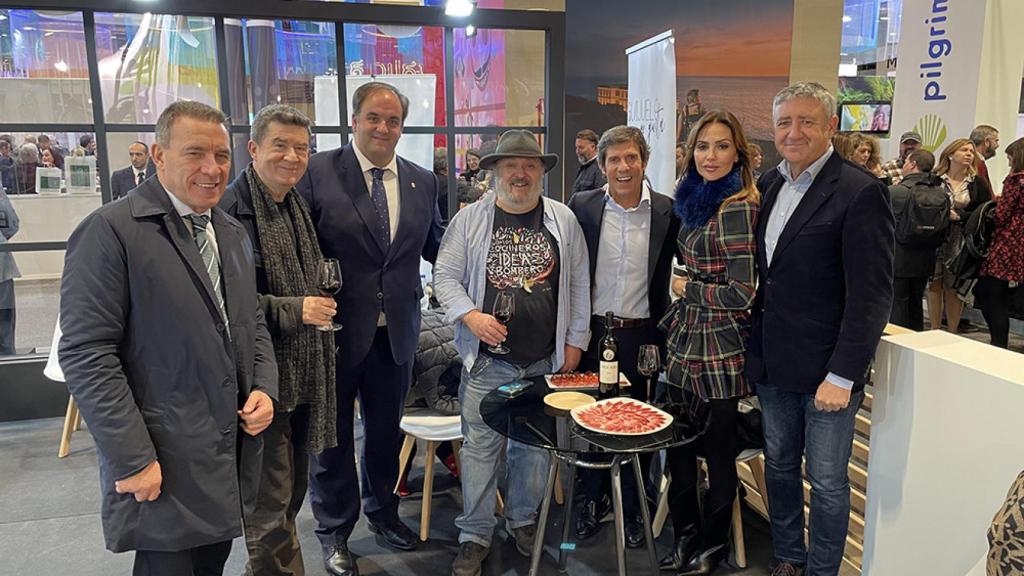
413,184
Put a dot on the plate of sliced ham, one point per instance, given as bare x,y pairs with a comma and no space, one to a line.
621,417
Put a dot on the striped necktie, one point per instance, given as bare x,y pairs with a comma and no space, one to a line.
202,237
380,204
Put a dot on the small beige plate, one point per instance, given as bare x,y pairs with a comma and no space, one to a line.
568,400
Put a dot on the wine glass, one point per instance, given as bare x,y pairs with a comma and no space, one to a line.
330,283
504,304
647,363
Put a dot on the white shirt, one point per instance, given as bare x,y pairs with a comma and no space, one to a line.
620,279
136,172
390,178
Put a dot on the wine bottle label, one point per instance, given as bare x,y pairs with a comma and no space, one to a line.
609,372
609,354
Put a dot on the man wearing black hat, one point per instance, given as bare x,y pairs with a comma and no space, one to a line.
892,171
515,245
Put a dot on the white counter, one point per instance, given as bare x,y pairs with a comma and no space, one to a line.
947,441
48,219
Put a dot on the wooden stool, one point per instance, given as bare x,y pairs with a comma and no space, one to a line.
433,428
72,417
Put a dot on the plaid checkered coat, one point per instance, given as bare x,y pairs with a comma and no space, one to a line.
707,328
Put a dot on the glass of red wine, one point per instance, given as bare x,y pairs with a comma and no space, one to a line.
504,304
330,283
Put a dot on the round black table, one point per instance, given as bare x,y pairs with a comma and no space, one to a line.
528,420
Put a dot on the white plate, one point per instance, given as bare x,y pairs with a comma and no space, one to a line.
623,383
575,412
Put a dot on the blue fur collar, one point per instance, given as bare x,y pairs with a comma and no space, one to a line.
698,200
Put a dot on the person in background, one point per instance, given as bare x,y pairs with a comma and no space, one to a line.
913,264
1006,534
966,191
277,221
824,293
25,168
78,152
441,171
7,176
986,141
756,159
867,152
589,175
9,225
842,144
88,141
46,158
1003,271
178,434
519,243
892,169
707,326
472,170
680,157
124,180
45,144
629,230
377,213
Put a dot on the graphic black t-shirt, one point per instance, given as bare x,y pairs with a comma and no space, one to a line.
524,260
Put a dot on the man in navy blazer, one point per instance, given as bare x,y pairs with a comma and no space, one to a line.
124,180
825,252
377,214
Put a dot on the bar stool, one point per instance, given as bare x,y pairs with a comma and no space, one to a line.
433,428
72,417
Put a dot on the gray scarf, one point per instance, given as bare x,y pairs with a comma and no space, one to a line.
305,359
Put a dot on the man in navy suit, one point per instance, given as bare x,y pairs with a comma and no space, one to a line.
124,180
825,255
377,214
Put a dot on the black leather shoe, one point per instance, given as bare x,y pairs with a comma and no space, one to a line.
686,547
635,531
339,561
705,563
589,521
395,534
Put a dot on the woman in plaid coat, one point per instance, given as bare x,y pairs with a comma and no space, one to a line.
717,202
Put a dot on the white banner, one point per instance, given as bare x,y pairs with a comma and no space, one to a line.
652,105
938,69
419,88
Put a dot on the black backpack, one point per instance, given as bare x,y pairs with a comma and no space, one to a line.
924,221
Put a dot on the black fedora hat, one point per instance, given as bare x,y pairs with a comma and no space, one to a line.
518,144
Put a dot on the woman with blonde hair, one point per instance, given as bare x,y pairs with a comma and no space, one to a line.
717,202
966,192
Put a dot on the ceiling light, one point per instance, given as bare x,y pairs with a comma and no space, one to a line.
847,18
459,8
470,31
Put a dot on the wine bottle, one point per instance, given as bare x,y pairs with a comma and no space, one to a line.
609,358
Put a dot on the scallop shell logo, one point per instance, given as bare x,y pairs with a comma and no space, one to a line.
932,129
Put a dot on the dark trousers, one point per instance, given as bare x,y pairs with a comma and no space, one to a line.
270,534
907,310
994,296
793,427
7,318
719,447
334,490
206,560
594,484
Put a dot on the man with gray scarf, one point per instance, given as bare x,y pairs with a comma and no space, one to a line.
288,257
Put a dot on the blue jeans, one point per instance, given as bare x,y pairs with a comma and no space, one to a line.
526,466
792,425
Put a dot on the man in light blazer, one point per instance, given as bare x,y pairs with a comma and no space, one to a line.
377,214
123,180
631,237
167,353
825,258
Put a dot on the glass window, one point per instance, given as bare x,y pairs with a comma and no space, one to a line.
147,61
31,164
29,303
291,62
409,57
499,78
44,75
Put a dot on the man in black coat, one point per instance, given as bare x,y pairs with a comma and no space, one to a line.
124,180
167,354
589,176
630,232
825,251
377,213
913,264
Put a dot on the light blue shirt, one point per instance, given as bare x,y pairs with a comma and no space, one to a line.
620,280
789,197
460,275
